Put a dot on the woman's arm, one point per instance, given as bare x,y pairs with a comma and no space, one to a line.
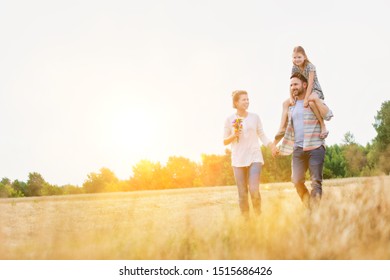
260,132
229,134
264,139
230,138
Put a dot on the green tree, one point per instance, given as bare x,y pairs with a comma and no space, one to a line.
355,159
382,126
334,163
20,186
354,155
104,181
381,143
212,170
276,169
349,138
148,175
5,181
70,189
35,184
48,189
181,172
227,170
216,170
6,190
384,162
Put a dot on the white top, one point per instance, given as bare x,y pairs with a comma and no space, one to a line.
247,149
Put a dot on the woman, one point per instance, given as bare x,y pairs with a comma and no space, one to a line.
243,130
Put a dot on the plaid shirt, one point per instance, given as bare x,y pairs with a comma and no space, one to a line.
312,131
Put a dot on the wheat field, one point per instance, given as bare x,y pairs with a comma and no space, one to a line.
353,222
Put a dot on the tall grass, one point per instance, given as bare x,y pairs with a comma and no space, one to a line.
353,222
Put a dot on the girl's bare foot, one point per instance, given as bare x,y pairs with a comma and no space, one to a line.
324,133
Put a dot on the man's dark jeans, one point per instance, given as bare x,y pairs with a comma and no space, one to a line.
314,161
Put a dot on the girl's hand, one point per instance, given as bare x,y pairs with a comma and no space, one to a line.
292,101
305,103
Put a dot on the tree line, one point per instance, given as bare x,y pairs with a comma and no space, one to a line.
348,159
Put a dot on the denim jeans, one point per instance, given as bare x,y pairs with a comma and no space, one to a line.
314,161
248,176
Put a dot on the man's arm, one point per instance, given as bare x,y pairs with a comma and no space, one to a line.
275,149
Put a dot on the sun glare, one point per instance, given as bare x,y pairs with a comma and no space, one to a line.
132,131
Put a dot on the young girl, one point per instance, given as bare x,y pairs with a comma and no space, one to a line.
314,96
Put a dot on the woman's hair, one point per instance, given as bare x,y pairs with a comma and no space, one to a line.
299,49
236,96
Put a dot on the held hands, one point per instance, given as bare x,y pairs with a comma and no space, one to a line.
274,149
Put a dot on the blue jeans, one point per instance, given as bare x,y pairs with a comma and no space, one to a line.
314,161
248,176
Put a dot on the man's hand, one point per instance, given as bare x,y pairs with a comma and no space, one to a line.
275,150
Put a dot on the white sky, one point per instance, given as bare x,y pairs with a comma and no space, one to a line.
91,84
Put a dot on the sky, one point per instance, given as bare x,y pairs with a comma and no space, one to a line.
97,83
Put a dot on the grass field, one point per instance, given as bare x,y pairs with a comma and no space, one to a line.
353,222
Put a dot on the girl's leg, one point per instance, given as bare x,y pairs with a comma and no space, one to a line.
324,131
321,106
283,123
241,176
254,182
321,111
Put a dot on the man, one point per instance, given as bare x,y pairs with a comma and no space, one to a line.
302,139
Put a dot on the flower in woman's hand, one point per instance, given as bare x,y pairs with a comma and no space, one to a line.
237,125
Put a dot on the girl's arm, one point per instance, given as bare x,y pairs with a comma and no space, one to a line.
292,98
309,88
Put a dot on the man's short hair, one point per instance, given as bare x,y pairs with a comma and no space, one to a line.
299,76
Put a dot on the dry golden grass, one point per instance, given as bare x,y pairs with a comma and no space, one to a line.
353,222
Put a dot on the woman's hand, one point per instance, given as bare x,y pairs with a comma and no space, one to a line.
237,134
274,149
233,137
